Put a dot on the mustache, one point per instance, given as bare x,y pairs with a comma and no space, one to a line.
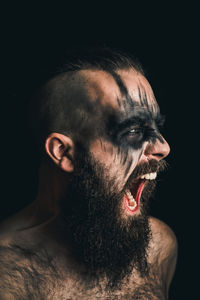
149,167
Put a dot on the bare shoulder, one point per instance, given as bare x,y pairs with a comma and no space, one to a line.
14,263
163,249
8,261
163,237
28,271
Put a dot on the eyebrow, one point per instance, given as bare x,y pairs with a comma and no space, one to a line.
130,121
142,120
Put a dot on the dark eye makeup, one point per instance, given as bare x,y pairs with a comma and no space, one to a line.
138,134
134,131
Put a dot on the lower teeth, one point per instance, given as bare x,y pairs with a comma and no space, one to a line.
132,207
132,203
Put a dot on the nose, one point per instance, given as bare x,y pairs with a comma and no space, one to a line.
157,150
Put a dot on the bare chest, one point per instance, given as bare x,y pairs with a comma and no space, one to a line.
39,277
53,284
50,283
30,282
74,290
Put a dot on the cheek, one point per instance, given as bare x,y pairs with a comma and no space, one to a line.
118,161
133,157
107,154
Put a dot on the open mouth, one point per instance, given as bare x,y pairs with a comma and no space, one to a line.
133,194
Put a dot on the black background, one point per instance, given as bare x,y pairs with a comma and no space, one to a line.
165,39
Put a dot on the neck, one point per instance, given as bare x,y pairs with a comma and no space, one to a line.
52,182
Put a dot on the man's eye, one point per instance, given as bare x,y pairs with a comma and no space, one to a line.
135,131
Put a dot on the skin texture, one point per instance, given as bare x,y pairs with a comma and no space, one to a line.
34,255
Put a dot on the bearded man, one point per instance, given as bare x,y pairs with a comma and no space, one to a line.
88,234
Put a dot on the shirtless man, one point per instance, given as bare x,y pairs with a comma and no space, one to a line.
88,234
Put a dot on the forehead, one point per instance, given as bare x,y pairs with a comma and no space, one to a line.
118,88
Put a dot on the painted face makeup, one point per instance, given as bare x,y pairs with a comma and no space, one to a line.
126,141
121,121
138,122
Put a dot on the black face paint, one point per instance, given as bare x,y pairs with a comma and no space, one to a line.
132,132
136,122
139,121
128,167
126,103
128,129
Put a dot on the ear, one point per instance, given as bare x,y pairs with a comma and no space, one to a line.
60,148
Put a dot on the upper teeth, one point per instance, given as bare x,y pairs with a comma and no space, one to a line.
149,176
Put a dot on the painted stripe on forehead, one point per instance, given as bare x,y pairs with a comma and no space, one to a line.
126,100
143,97
151,106
120,83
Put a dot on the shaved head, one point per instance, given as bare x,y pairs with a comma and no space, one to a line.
73,94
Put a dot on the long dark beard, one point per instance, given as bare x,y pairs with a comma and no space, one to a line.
100,239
